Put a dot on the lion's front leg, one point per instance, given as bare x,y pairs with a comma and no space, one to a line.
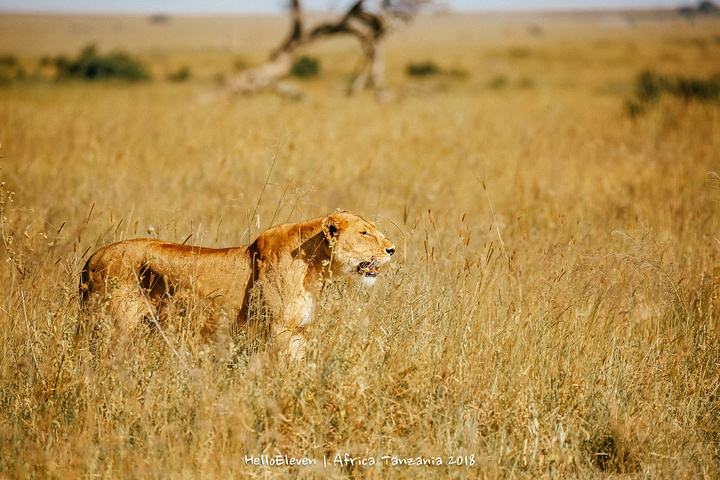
282,337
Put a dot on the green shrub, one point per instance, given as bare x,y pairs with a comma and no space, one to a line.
10,69
422,69
431,69
9,61
498,81
306,67
697,89
634,107
180,75
89,65
650,86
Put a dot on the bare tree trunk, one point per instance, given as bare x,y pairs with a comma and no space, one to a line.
373,74
267,77
368,27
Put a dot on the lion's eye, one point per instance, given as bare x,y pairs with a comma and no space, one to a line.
363,233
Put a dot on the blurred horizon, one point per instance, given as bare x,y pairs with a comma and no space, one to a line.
277,6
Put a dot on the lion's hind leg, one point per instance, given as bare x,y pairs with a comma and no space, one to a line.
129,306
111,315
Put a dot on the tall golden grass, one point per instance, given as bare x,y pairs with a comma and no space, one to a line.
552,310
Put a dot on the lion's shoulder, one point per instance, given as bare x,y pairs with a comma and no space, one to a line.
288,237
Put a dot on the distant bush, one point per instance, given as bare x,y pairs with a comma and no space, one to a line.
431,69
10,69
634,107
650,86
697,89
180,75
703,8
306,67
422,69
89,65
498,81
159,18
9,61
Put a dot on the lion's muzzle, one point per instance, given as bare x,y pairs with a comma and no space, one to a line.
369,268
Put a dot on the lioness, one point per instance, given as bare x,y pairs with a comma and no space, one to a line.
278,278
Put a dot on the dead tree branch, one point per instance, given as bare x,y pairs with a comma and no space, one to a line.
370,29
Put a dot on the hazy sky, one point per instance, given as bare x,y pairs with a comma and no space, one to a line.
254,6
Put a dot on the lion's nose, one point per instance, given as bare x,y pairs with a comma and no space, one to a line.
390,251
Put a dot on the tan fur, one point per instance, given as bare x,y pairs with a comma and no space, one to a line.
278,278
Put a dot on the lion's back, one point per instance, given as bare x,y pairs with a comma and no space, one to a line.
146,261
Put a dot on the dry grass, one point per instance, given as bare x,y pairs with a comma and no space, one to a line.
552,310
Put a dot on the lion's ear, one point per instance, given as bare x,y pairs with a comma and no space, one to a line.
332,227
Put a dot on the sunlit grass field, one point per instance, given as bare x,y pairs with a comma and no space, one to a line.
553,309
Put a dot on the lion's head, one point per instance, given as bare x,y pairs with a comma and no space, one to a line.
358,246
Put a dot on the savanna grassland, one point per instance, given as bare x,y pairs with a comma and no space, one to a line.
553,309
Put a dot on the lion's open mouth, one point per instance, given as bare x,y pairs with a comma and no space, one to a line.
369,268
